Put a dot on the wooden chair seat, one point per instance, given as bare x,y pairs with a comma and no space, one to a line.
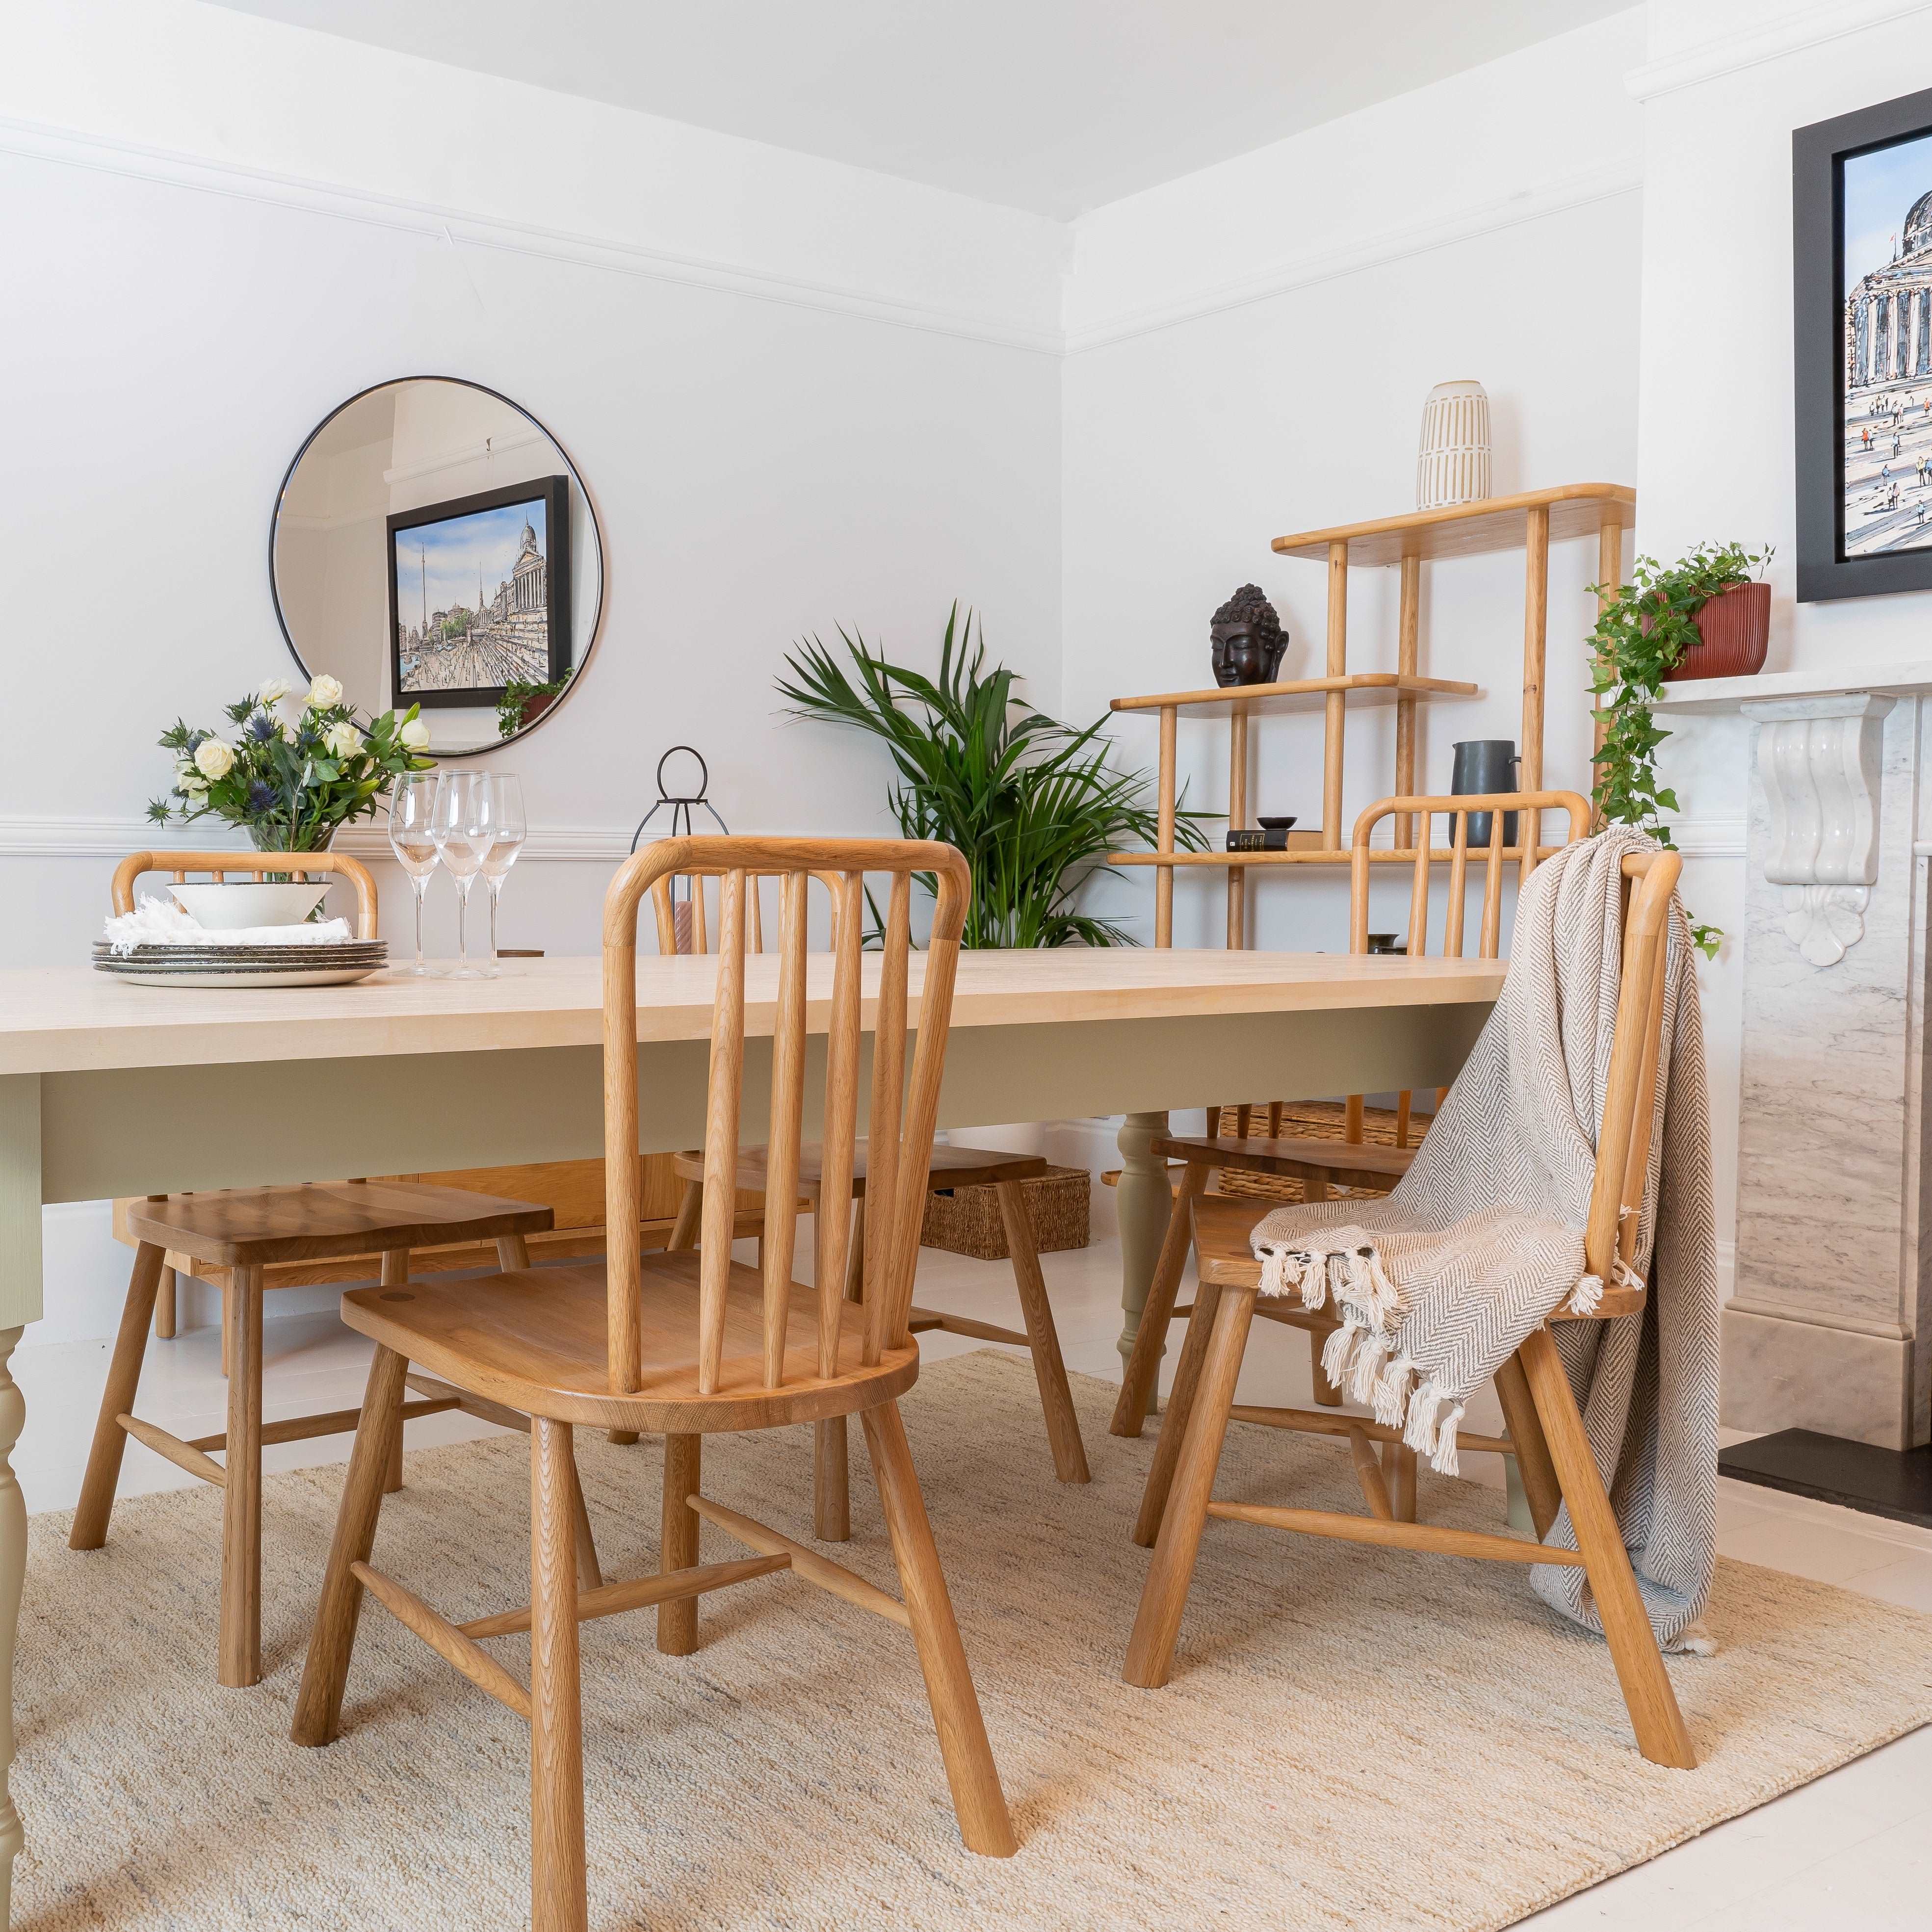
951,1167
1341,1163
537,1341
249,1227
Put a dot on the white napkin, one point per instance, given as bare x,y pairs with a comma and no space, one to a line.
162,922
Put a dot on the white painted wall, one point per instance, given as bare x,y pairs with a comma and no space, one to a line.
1251,347
799,395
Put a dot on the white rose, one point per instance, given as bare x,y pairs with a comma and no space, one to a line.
414,736
274,691
191,784
342,740
324,692
213,759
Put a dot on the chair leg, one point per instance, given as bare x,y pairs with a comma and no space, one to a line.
1326,1392
831,1459
1540,1489
1399,1470
977,1800
1143,1372
1056,1399
590,1571
123,1375
164,1307
1173,1424
677,1547
1661,1736
558,1899
395,1274
227,1318
1164,1596
318,1716
240,1645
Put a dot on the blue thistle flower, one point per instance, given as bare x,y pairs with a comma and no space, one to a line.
261,797
262,728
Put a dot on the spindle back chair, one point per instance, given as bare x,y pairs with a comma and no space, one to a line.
1547,1433
1321,1166
251,865
685,1344
682,927
241,1231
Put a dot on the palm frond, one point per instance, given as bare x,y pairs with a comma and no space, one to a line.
1033,803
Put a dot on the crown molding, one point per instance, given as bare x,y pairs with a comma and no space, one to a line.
1732,53
1577,189
74,838
455,228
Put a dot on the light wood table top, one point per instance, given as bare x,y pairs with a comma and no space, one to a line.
71,1018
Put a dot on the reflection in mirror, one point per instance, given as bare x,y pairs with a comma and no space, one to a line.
433,545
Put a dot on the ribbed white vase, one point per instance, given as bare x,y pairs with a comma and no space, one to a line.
1452,465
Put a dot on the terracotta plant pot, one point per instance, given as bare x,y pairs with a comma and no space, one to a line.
534,708
1736,626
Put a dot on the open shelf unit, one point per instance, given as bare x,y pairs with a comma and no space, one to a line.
1529,522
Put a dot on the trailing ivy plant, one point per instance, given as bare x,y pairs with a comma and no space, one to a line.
1643,630
1031,803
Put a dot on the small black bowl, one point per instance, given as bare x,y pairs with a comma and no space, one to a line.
1275,824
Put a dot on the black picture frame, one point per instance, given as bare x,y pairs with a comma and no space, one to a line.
553,493
1822,350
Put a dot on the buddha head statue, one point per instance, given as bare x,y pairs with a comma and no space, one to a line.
1247,639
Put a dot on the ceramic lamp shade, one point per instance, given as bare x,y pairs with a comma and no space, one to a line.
1452,465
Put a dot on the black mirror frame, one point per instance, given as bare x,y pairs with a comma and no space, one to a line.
592,637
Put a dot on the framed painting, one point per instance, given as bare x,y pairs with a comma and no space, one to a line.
479,594
1861,231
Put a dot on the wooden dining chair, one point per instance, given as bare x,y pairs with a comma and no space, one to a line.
683,924
1546,1431
685,1344
1321,1166
243,1230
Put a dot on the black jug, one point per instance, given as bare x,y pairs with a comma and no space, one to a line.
1486,764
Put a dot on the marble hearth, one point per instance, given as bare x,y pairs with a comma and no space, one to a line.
1831,1309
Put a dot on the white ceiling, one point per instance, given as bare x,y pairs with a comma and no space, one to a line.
1056,105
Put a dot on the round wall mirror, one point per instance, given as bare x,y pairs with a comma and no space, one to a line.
433,545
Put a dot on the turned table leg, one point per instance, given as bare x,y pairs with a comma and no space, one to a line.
1145,1202
20,1303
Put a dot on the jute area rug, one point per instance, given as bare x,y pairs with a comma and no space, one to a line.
1352,1737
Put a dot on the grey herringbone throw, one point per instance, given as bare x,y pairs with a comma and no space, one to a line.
1483,1240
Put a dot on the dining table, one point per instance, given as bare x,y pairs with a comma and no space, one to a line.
109,1088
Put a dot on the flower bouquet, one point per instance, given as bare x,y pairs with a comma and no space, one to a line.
292,784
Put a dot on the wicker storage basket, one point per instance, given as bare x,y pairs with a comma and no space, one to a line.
966,1221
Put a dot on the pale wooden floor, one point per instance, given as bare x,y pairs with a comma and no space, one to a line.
1851,1853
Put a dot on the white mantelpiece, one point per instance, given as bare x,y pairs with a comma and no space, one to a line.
1832,1299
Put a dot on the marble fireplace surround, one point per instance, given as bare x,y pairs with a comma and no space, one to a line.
1828,1325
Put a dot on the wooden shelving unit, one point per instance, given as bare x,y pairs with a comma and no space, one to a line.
1530,523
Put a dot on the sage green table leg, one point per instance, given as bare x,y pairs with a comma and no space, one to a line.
1145,1203
20,1303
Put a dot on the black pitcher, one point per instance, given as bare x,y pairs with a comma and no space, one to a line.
1486,764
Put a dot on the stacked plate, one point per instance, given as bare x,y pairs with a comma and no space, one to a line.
243,966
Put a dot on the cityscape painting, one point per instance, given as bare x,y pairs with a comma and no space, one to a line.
1885,423
479,594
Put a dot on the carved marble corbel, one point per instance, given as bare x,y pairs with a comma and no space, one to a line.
1820,760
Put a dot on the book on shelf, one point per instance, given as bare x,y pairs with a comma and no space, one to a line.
1259,838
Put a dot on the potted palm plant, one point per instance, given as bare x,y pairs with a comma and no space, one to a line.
1032,802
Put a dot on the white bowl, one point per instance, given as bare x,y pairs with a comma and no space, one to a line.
228,907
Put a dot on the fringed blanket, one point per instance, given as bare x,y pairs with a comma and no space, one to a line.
1483,1240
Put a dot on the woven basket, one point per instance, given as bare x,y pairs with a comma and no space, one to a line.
1317,1119
966,1221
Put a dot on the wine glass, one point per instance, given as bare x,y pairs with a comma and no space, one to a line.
463,831
412,839
512,829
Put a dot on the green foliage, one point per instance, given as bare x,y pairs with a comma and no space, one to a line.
1643,632
516,700
1030,802
290,784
